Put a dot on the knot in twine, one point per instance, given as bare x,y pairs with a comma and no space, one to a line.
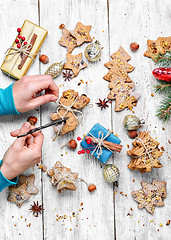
24,49
147,151
68,109
99,140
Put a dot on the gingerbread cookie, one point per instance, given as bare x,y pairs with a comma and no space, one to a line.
116,71
120,63
122,54
75,63
145,153
18,195
69,101
29,181
150,195
81,33
67,40
161,45
62,177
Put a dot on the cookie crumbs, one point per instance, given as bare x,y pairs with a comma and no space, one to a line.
162,148
127,145
133,180
121,193
163,128
152,95
151,220
81,204
115,192
125,195
161,225
158,230
131,209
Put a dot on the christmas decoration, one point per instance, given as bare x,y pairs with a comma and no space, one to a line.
36,209
111,174
93,52
163,74
131,122
164,78
24,50
102,138
55,69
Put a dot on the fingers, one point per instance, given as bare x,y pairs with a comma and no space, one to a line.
36,102
15,133
24,129
43,82
37,142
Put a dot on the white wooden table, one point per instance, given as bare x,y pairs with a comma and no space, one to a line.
104,215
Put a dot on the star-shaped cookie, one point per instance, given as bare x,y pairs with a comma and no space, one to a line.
67,40
63,177
29,181
81,33
75,63
150,195
18,195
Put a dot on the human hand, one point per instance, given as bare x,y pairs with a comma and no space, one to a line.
25,90
24,153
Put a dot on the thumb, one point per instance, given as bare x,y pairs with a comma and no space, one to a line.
43,99
24,129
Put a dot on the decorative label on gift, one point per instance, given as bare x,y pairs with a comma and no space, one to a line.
24,50
103,142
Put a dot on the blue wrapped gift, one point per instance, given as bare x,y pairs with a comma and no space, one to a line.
96,129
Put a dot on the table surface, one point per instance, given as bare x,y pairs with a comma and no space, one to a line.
104,215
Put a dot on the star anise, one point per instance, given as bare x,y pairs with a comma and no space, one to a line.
36,209
67,75
103,103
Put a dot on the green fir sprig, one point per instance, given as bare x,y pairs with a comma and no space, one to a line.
164,60
164,110
163,87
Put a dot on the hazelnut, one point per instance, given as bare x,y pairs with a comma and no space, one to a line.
61,26
44,59
72,144
92,188
134,46
32,120
133,134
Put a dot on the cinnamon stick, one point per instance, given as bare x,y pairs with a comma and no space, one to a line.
110,145
24,57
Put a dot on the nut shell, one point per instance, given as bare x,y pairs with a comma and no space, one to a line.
32,120
44,59
134,46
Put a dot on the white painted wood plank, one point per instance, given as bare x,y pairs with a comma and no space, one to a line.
12,15
96,221
138,21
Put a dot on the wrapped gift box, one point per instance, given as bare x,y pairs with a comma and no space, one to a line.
111,138
17,64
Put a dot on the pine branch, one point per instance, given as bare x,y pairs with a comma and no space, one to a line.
163,87
164,110
164,60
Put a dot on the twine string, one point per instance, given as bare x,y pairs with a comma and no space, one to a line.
99,140
24,49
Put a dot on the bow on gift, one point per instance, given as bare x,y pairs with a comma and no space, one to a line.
24,49
100,141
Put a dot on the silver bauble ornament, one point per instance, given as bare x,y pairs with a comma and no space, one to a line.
93,52
132,122
111,173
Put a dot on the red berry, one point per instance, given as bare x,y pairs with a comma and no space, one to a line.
16,40
88,151
88,142
89,139
23,38
18,45
82,151
79,152
25,43
18,29
78,138
19,36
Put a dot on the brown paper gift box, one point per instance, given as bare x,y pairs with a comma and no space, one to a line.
14,66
